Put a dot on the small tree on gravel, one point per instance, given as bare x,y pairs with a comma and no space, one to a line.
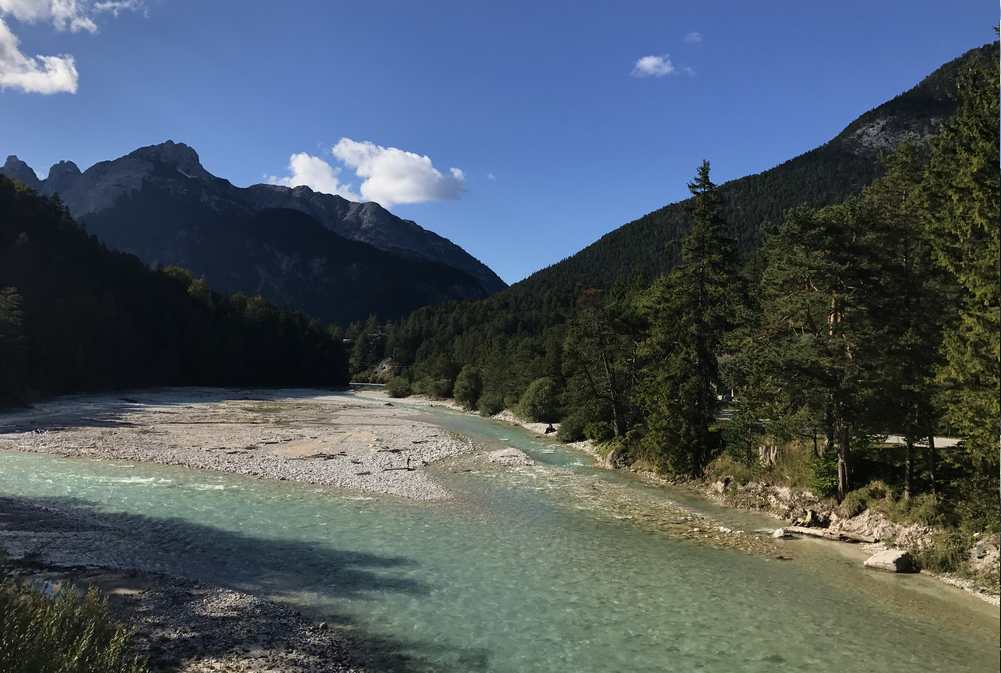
468,386
540,401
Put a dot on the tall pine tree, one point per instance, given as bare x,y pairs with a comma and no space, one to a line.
689,312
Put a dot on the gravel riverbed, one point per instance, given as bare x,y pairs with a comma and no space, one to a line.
339,440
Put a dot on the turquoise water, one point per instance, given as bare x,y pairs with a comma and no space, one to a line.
518,575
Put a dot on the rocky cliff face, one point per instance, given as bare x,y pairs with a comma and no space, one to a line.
176,168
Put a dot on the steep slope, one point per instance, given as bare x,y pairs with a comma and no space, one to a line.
511,332
284,255
827,174
160,204
371,223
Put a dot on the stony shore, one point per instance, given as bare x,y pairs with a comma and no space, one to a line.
180,625
339,440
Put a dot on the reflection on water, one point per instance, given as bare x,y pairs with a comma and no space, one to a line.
514,576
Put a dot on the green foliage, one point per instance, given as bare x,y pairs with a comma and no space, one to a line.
468,387
599,431
689,312
491,403
439,388
857,501
67,633
946,553
961,190
12,345
93,319
600,359
572,428
398,386
540,401
824,480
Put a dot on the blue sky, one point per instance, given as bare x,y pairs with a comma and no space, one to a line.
558,131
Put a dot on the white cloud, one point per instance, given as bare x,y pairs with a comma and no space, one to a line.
63,14
693,37
654,66
48,74
115,7
315,173
39,74
391,175
388,175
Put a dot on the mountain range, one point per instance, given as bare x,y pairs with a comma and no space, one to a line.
335,259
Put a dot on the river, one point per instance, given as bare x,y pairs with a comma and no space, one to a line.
525,571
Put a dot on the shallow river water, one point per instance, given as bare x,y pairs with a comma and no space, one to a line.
525,572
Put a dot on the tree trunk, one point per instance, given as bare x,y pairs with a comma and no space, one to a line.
843,448
828,429
908,467
930,459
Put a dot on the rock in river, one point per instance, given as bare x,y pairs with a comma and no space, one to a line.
894,560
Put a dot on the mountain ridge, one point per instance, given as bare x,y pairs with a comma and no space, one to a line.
100,186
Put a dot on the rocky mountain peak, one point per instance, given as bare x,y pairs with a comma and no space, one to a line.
15,169
179,156
62,176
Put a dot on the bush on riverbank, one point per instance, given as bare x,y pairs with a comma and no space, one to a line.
67,633
398,386
540,401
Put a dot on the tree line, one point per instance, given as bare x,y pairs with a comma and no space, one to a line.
75,316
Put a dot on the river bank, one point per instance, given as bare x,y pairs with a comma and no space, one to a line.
792,506
180,625
336,440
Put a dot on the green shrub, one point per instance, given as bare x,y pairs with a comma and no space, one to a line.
599,431
468,386
439,388
824,480
728,466
490,403
540,401
859,500
398,386
571,428
68,633
946,553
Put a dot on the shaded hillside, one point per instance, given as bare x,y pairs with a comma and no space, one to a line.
75,316
283,254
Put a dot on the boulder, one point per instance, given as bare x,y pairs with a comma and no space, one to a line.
812,519
892,560
720,485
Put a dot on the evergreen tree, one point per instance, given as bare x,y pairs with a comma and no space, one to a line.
961,192
468,387
12,343
811,349
600,361
689,311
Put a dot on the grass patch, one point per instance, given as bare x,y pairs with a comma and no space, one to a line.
67,633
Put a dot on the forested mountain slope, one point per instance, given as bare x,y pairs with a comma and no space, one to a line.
75,316
512,332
